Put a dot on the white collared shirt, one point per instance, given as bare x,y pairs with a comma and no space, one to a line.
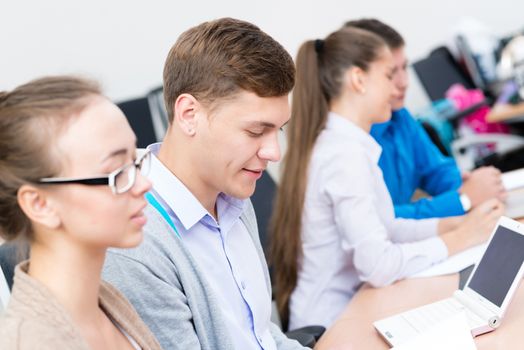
349,232
225,251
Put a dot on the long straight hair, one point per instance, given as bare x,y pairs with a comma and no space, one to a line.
320,65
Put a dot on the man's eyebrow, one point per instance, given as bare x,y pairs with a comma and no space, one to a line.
262,123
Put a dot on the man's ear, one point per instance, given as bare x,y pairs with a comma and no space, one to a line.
185,110
356,78
38,207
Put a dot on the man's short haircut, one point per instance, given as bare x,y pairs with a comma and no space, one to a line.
392,38
218,59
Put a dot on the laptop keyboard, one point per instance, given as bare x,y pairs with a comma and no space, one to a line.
426,316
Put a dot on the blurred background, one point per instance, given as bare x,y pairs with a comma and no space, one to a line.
124,43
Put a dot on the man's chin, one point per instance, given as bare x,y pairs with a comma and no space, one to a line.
241,193
246,194
396,105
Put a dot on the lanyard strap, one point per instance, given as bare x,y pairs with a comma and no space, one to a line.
154,202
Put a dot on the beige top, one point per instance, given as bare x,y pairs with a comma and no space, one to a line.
34,319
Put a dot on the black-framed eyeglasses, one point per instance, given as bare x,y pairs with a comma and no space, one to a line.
120,180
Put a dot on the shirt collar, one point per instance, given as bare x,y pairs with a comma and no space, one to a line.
379,129
179,198
341,125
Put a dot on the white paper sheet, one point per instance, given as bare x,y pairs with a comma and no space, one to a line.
451,334
454,263
515,204
513,179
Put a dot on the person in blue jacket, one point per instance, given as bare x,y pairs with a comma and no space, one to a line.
411,161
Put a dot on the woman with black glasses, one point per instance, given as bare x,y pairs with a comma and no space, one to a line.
71,185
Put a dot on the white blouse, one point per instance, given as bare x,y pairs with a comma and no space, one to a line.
349,231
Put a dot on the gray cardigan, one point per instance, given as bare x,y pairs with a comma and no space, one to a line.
170,292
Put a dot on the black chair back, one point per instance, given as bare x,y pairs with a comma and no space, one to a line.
10,255
147,116
138,115
262,201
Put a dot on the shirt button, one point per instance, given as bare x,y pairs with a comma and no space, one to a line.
243,284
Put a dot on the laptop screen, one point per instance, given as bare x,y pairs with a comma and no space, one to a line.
499,265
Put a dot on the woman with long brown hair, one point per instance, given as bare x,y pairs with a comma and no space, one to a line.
333,225
71,186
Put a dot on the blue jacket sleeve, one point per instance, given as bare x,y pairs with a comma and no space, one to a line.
443,205
439,177
439,174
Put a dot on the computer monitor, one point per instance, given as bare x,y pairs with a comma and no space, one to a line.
439,71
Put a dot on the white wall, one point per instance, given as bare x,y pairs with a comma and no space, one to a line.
124,43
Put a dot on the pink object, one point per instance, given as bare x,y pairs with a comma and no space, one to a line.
464,98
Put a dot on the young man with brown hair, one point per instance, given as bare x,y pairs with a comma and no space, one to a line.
200,279
410,160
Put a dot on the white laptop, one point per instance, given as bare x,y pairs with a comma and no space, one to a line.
485,297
